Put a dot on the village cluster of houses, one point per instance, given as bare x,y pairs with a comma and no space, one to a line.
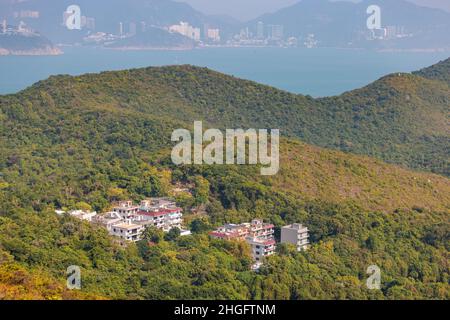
260,237
127,221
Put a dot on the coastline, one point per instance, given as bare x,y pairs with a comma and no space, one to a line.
48,51
148,48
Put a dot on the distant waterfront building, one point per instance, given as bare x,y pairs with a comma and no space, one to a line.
292,42
295,234
310,41
120,29
4,26
143,26
276,32
391,32
27,14
214,35
132,29
244,34
205,31
22,28
186,30
260,30
90,23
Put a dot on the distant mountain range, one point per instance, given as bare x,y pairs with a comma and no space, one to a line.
107,14
404,25
343,24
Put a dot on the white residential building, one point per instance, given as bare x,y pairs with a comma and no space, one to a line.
128,221
127,231
213,34
108,221
295,234
161,213
126,210
186,30
261,248
259,235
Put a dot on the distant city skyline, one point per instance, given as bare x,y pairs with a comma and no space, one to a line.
250,9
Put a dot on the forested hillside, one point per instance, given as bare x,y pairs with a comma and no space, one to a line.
71,142
439,71
401,118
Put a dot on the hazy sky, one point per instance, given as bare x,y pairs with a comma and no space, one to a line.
248,9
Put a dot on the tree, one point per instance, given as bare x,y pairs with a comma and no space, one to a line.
172,235
199,226
83,206
201,190
152,234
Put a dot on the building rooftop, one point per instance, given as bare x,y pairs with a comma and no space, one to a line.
296,226
264,242
158,213
127,226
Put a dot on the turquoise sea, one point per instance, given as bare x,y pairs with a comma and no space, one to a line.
317,72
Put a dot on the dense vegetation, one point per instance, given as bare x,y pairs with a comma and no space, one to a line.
439,71
72,142
24,43
401,118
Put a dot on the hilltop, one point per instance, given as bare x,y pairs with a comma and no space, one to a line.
399,118
439,71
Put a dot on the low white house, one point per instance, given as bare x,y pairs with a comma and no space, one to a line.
83,215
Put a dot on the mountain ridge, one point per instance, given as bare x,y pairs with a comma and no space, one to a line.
343,24
400,118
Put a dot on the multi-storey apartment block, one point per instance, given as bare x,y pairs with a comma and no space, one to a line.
295,234
127,231
108,220
126,209
261,248
259,235
231,232
256,229
259,229
161,213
